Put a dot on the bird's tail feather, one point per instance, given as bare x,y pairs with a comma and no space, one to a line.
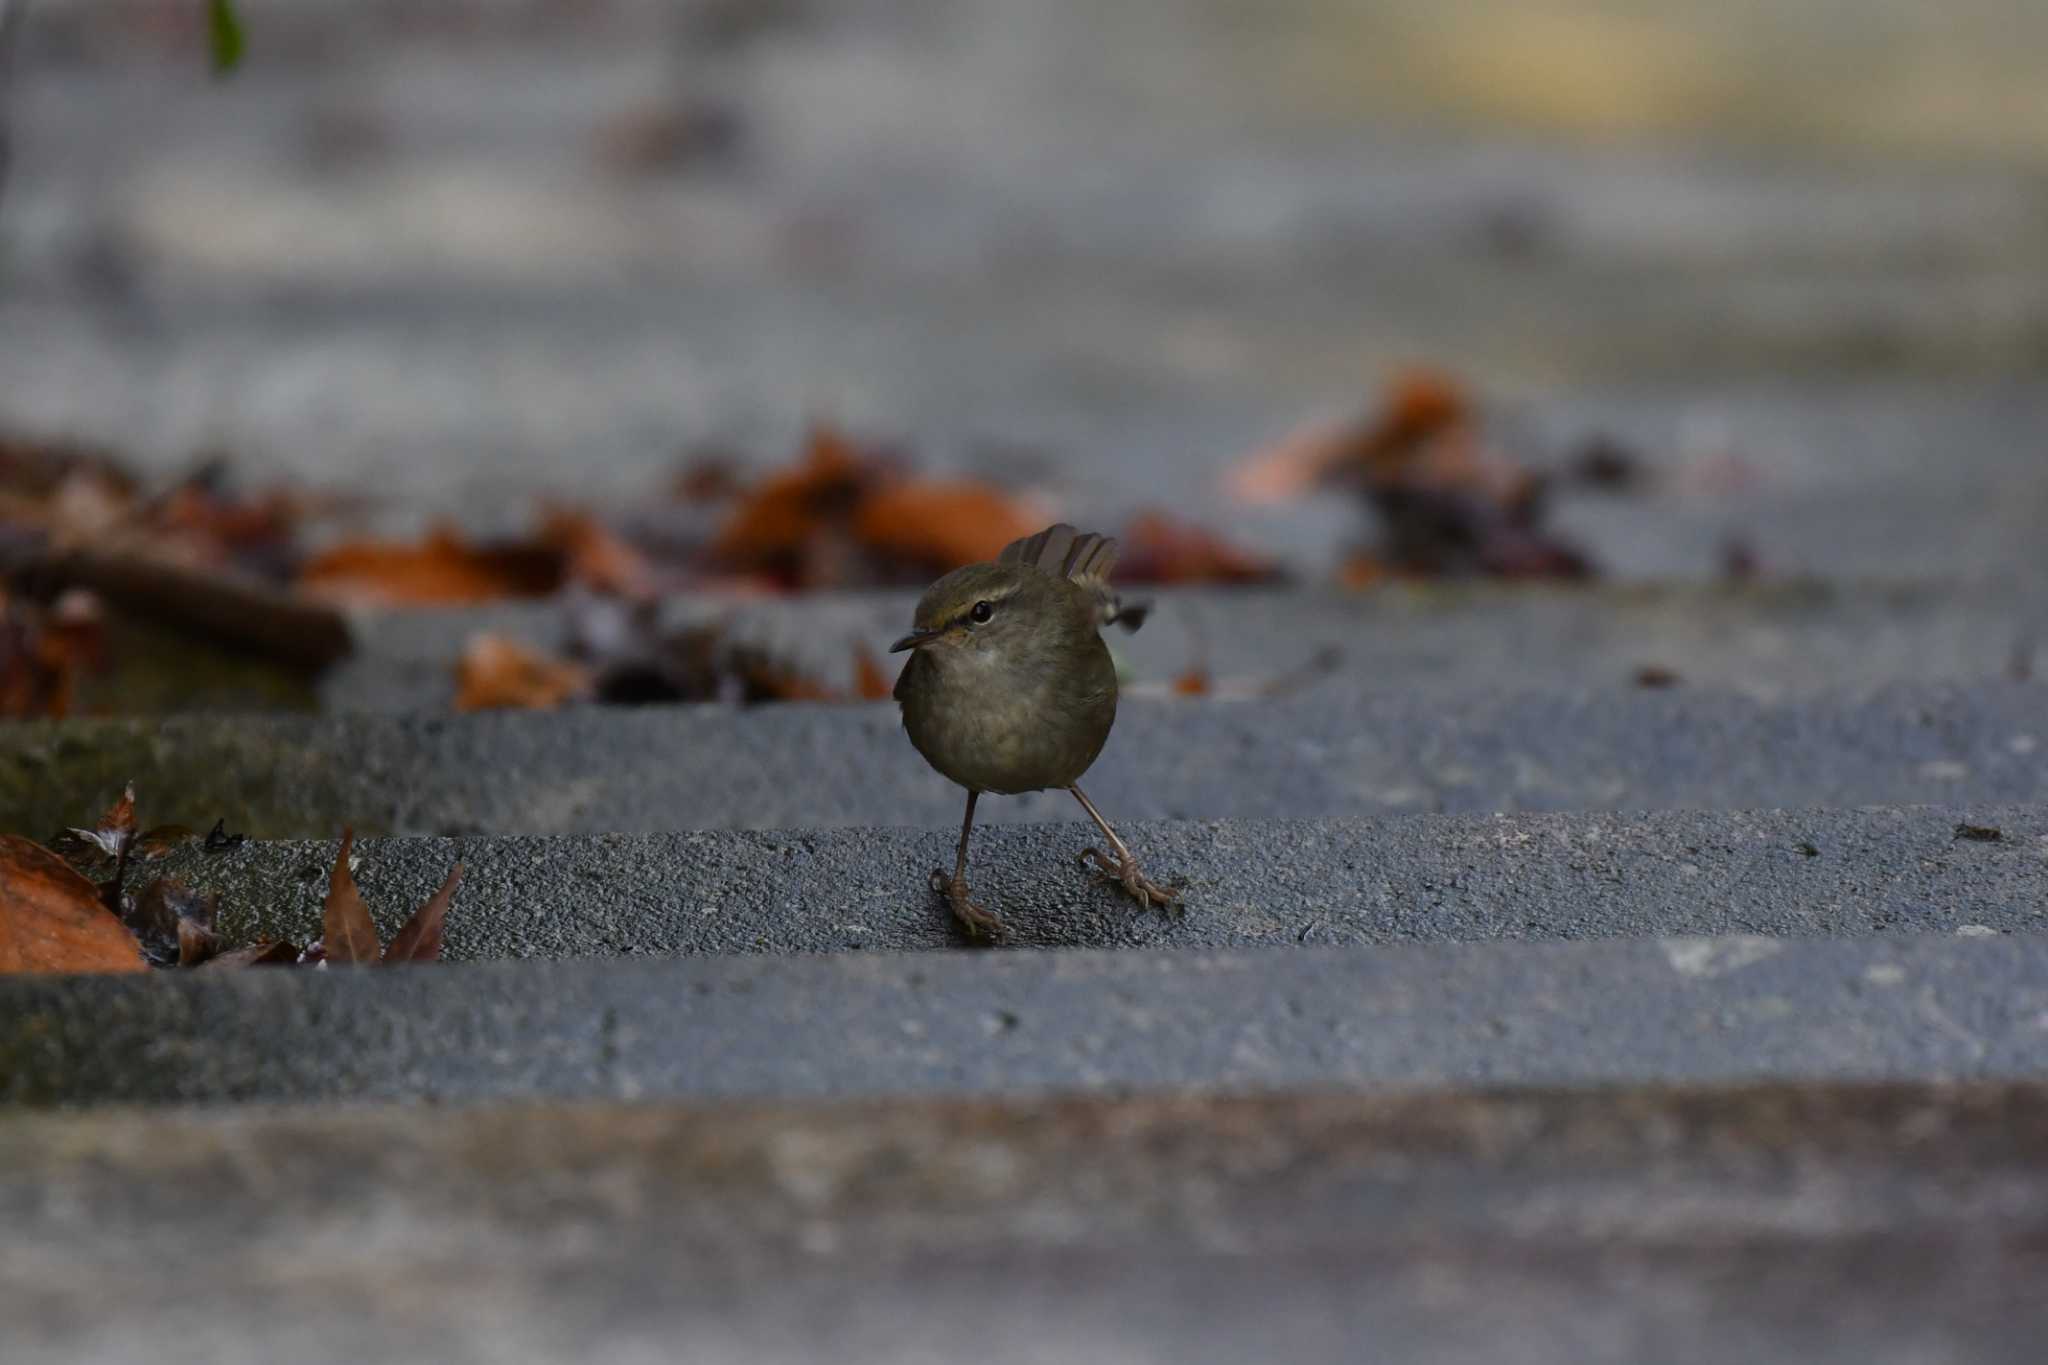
1084,556
1060,550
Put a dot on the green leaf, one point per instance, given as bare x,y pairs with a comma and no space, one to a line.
225,28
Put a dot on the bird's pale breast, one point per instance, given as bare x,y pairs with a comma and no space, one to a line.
1003,724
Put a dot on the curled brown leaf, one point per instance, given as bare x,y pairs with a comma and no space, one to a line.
256,955
51,918
498,673
420,939
444,569
870,683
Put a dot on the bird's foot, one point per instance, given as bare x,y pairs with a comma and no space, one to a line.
1124,872
980,925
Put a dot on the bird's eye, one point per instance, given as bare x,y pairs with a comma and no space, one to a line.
982,611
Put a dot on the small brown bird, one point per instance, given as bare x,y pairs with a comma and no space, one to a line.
1009,689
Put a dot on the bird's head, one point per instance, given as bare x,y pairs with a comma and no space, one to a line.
981,607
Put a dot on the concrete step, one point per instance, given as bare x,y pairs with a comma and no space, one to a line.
1343,753
1667,1010
1247,883
1607,1227
1769,639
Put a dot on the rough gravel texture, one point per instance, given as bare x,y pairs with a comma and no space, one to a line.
1671,1010
1342,753
1816,873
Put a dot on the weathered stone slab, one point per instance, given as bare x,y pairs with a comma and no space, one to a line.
1666,1010
1826,1225
1368,880
1342,753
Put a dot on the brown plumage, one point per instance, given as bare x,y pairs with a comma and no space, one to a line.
1009,687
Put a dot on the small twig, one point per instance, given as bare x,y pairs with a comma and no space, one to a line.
237,611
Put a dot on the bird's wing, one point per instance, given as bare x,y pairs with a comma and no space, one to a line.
1060,550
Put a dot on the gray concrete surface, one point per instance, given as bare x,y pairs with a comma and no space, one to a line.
1830,1225
407,257
1392,879
1668,1010
1768,639
1340,752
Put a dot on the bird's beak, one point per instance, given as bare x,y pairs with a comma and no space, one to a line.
914,639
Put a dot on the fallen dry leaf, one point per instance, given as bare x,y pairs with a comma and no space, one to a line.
596,556
1195,682
210,525
1157,548
496,673
851,515
444,570
1416,406
44,651
929,528
196,943
165,918
420,939
113,832
764,677
1294,465
1448,501
1361,569
51,918
347,933
159,840
870,683
778,523
256,955
638,660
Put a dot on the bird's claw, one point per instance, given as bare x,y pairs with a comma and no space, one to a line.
980,925
1124,873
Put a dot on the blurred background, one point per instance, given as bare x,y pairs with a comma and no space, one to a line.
1772,271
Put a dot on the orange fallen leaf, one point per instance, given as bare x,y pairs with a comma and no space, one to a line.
1295,464
940,526
1193,683
1159,549
1361,570
776,521
765,679
1417,405
496,673
346,931
444,569
870,683
51,918
597,556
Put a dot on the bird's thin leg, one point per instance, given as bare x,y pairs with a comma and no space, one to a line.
978,923
1123,869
